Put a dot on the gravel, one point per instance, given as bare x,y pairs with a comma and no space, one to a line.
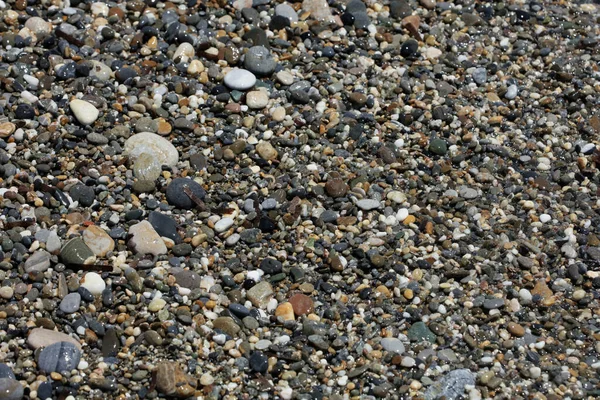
299,200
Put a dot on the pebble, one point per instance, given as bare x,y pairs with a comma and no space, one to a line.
84,111
393,345
99,242
240,79
93,282
156,146
259,61
145,240
176,193
39,337
260,294
70,303
257,99
266,151
59,357
223,224
11,389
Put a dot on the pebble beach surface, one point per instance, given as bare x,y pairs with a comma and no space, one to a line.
255,199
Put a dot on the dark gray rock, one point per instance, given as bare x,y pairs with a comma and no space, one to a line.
61,356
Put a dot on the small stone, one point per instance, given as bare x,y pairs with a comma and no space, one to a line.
479,75
266,151
38,25
146,167
285,311
40,337
259,362
511,92
223,224
227,325
93,282
70,303
85,112
239,79
259,61
394,345
177,196
302,304
260,294
368,204
419,332
451,386
11,389
207,379
438,146
285,10
98,240
156,146
38,261
77,252
516,329
6,292
7,129
145,240
257,99
336,188
285,77
184,52
157,304
58,357
318,9
172,381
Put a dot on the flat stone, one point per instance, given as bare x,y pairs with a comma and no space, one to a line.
227,325
184,52
223,224
302,304
38,261
150,143
40,337
285,311
145,240
176,193
70,303
38,25
239,79
98,240
93,282
285,10
336,188
419,332
260,294
257,99
318,9
516,329
171,380
85,112
451,386
394,345
62,356
11,389
259,362
368,204
266,151
164,225
259,61
7,129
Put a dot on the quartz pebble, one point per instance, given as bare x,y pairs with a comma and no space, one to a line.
240,79
84,111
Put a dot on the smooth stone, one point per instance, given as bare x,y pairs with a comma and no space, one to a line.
157,304
110,343
177,196
38,261
368,204
98,240
285,311
76,252
336,187
150,143
164,225
438,146
11,389
451,386
145,240
40,337
146,167
226,325
419,332
70,303
223,224
239,79
260,294
318,9
100,71
184,52
259,61
257,99
38,25
57,357
266,151
259,362
172,381
302,304
271,266
511,92
393,345
93,282
285,10
6,372
85,112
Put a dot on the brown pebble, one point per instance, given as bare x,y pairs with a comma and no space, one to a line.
516,329
336,188
302,304
285,311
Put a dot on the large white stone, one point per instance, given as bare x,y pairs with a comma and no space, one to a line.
38,25
100,70
98,240
184,52
86,113
154,145
239,79
94,283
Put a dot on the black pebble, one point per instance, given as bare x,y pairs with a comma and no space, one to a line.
409,48
259,362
